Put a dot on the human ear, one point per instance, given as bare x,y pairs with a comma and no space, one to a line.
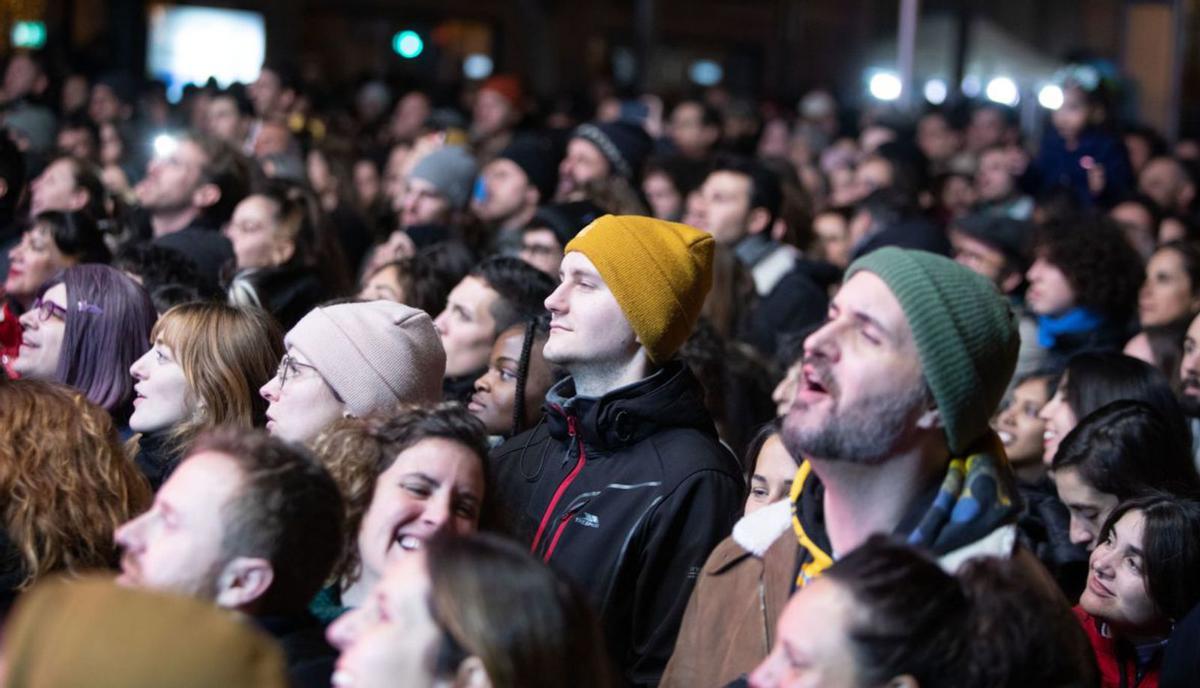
207,195
759,220
243,581
472,674
905,681
931,419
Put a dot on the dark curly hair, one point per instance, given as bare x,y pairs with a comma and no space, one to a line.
1093,254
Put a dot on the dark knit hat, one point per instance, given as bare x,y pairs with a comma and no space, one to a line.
538,160
452,172
965,333
1010,237
625,145
566,219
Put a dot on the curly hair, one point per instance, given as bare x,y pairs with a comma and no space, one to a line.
356,451
227,353
1103,269
67,481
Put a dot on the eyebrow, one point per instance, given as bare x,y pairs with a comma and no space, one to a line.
576,273
866,318
507,359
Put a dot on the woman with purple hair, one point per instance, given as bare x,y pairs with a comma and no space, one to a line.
88,324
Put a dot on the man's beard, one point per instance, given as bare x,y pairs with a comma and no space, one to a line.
867,433
1190,402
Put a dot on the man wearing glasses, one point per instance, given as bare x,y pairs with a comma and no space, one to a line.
351,359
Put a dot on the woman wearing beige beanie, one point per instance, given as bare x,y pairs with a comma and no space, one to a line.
350,359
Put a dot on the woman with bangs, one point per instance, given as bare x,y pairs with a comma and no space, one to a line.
60,454
204,367
84,329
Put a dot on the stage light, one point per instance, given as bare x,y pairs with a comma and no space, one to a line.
1003,90
165,145
477,66
706,73
408,44
1051,96
29,34
936,91
885,86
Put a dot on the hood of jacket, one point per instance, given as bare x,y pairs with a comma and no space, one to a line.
669,398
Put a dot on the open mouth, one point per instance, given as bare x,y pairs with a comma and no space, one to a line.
1006,437
405,542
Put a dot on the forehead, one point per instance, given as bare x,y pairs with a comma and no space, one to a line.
1032,389
298,357
502,166
726,180
473,291
1072,487
577,263
821,599
423,186
1194,329
190,153
582,148
443,459
57,294
205,480
868,294
540,235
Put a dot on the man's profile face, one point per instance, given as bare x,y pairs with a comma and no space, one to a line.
467,327
176,546
725,200
172,179
584,163
1189,370
979,256
861,390
587,324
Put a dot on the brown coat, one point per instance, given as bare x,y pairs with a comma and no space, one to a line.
728,630
726,635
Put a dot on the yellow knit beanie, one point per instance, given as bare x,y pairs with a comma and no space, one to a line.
660,273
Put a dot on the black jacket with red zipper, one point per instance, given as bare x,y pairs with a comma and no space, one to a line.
626,496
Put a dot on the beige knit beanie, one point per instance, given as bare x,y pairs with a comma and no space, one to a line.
373,354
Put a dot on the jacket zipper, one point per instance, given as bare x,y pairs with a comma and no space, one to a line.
558,493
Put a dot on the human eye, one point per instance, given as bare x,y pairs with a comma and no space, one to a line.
1134,563
160,355
417,488
507,375
466,508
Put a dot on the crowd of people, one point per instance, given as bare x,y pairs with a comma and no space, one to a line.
409,384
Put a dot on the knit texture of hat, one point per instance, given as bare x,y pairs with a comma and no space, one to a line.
964,331
660,273
537,160
623,144
373,354
451,170
94,633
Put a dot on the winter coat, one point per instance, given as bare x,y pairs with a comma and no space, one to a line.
309,656
729,627
626,496
1116,657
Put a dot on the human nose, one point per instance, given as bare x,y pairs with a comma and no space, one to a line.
138,369
484,382
270,391
436,515
822,343
345,629
1080,534
765,675
556,302
126,535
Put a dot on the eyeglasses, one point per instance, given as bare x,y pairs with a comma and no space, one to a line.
289,368
49,309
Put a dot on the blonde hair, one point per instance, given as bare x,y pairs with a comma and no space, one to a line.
67,482
226,353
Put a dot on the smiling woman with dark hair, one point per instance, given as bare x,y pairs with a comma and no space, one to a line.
1142,581
88,324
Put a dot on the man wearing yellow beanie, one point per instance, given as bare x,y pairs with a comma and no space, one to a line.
624,487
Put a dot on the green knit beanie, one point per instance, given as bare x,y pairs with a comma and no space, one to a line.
965,334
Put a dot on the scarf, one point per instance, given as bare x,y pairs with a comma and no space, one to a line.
974,499
1074,321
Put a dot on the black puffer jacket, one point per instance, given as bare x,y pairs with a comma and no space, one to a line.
625,495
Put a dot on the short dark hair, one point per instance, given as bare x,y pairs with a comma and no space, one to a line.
169,276
76,235
288,511
244,107
1103,269
1094,378
710,116
1170,549
522,289
1127,448
228,169
915,615
765,190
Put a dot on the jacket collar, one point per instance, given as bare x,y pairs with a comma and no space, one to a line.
671,397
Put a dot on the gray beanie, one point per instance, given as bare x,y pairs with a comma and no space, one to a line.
451,170
373,354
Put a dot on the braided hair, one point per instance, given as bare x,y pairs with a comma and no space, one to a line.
538,326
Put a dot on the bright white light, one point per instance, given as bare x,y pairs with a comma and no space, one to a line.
971,86
885,86
706,73
935,91
1051,96
1003,90
190,44
165,145
477,66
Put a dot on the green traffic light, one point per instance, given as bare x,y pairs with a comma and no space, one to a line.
408,44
